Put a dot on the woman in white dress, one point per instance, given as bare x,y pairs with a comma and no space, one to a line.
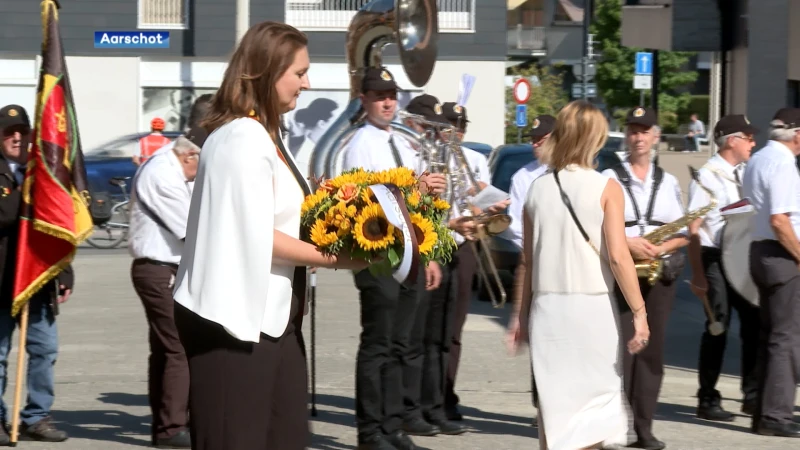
565,286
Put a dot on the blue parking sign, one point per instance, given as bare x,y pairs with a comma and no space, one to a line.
522,116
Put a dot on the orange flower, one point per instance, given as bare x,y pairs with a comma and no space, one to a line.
347,193
326,186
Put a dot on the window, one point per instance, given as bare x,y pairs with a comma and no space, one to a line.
335,15
163,14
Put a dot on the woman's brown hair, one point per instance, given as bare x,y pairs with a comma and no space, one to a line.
264,54
580,132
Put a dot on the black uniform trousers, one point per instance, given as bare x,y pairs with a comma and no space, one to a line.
388,311
245,395
464,274
723,299
430,340
644,372
776,274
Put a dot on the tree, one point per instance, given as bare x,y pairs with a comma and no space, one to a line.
615,70
547,97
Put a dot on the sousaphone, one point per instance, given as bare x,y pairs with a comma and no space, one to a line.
413,26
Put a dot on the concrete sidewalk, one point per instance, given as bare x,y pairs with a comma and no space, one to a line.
102,382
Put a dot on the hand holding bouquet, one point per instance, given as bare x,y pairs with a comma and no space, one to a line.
346,216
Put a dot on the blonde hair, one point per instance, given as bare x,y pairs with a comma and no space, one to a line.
580,132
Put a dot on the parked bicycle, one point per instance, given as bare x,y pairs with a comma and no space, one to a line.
112,232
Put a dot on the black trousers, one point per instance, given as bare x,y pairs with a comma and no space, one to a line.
465,272
388,310
776,274
644,372
244,395
167,367
723,300
430,338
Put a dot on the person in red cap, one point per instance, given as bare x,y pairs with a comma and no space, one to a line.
152,142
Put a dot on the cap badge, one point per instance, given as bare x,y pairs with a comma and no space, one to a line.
457,109
639,112
385,76
536,123
12,112
437,109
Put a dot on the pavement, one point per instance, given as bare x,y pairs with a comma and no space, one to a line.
101,374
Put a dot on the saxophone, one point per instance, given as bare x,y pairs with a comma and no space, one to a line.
653,269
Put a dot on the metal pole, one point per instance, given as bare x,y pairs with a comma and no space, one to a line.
654,91
242,18
587,20
715,100
641,97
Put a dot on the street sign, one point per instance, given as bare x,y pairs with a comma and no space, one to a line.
522,116
643,82
591,71
522,90
578,88
644,63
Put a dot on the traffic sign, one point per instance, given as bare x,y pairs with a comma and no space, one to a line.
522,116
522,90
643,82
644,63
578,88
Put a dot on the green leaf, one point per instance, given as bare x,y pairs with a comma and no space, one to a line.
393,257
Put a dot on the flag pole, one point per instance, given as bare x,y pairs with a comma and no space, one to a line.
23,337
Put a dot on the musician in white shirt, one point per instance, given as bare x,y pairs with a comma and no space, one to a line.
722,175
772,183
652,199
240,287
388,309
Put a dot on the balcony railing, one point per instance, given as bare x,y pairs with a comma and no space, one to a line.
529,39
162,14
455,16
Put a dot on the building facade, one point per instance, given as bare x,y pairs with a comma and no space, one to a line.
756,44
118,92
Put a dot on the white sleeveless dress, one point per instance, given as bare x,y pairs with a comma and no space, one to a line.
574,325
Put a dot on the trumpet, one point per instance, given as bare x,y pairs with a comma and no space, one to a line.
447,157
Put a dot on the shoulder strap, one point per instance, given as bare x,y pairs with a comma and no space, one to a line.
568,204
658,177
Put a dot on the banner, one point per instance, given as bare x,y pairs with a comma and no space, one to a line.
391,200
54,217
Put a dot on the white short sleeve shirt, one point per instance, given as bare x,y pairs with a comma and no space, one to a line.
772,183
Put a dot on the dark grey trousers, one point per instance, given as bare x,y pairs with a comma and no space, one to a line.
777,276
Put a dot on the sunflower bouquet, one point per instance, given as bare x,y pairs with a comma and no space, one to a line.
344,214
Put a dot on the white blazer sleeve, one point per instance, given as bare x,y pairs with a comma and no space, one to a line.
224,272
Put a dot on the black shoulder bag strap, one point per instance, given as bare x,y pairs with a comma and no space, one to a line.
395,152
568,204
625,179
146,209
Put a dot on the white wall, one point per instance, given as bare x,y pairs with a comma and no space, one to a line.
109,90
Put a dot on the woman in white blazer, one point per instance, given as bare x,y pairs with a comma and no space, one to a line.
240,288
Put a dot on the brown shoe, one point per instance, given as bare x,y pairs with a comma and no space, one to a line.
43,430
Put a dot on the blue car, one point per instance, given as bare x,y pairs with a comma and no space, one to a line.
113,159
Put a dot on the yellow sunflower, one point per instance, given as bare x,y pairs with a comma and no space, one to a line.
313,200
373,231
413,199
426,233
338,218
359,177
440,204
368,197
400,176
322,234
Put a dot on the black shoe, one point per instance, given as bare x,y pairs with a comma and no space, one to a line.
375,443
447,427
419,427
181,439
649,444
43,430
400,440
5,439
769,428
714,412
453,413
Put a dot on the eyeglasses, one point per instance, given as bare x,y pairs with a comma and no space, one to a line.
746,138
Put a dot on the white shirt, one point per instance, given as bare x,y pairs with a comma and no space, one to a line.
719,176
162,186
520,184
227,274
19,175
369,149
668,205
772,183
479,166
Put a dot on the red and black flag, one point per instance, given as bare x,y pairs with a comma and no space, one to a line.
55,197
